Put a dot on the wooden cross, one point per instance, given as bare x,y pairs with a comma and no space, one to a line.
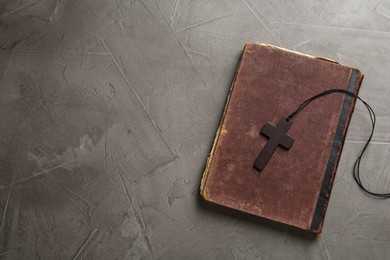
277,137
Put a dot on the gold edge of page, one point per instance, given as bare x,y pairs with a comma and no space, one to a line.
307,55
296,52
203,192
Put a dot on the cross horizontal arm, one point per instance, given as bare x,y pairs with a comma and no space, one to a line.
268,130
286,141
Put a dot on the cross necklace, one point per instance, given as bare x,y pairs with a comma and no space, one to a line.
277,137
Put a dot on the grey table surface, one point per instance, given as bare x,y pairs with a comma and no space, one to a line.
109,108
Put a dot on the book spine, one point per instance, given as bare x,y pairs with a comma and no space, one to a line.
334,157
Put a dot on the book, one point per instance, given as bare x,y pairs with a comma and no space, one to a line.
295,186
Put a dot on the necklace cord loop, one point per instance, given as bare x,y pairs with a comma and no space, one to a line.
356,167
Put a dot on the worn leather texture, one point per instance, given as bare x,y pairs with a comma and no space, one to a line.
295,186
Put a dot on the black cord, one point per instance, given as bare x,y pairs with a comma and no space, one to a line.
356,167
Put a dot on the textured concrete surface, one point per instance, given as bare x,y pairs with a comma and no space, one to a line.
108,110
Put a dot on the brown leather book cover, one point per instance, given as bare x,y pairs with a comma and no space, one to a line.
295,186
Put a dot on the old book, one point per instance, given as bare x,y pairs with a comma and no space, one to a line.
295,186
